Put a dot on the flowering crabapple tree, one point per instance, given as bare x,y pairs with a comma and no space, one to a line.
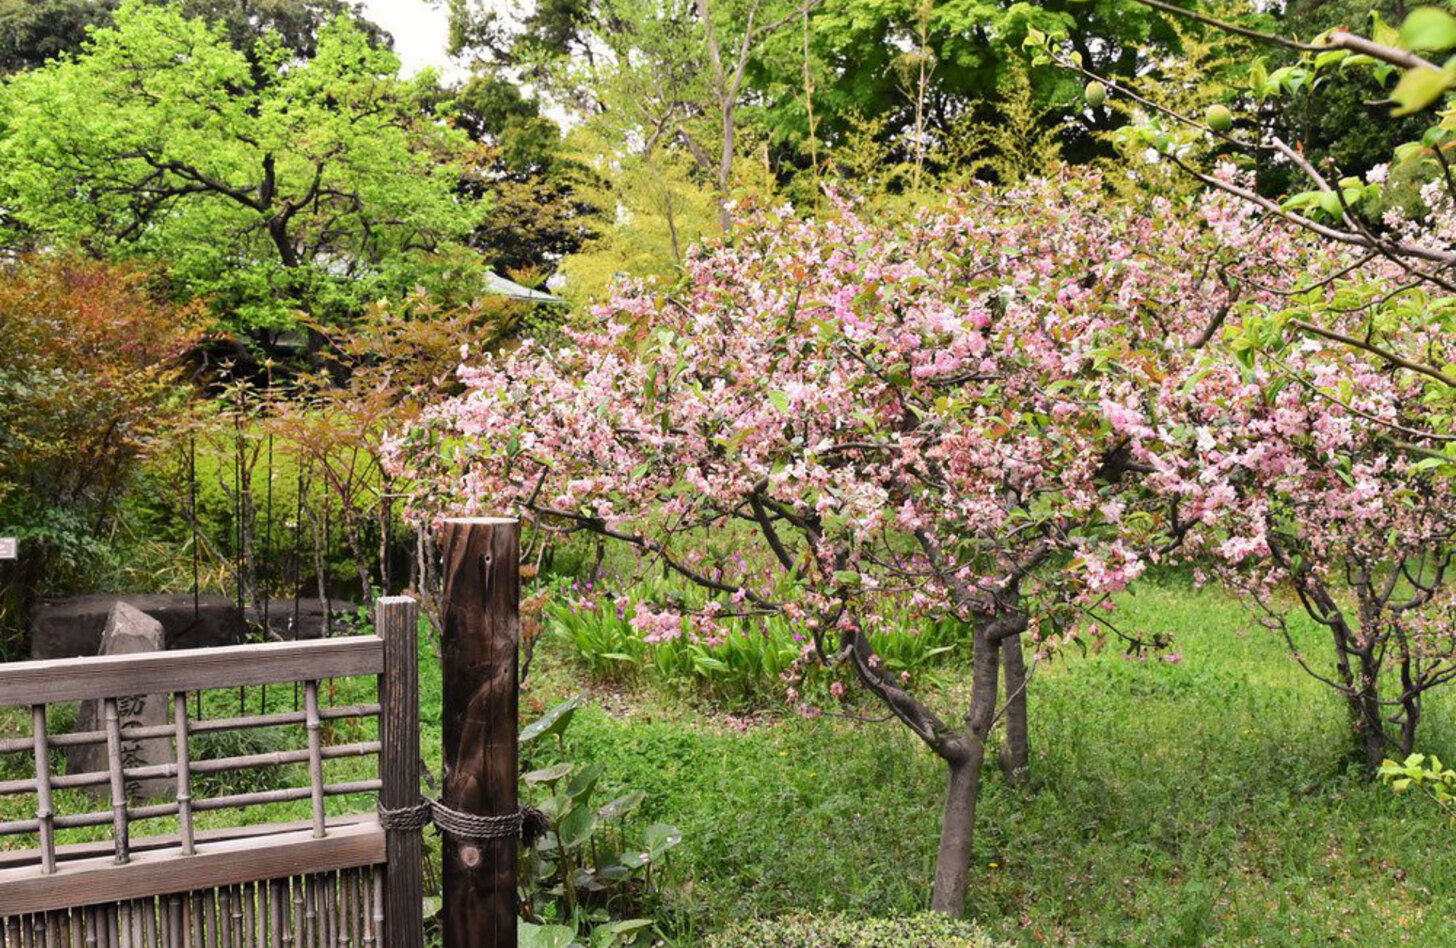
913,414
1323,474
1316,476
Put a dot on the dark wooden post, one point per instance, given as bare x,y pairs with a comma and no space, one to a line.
396,621
481,628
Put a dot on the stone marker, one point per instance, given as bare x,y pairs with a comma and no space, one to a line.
128,631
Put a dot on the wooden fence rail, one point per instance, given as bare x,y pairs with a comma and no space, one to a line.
319,882
325,882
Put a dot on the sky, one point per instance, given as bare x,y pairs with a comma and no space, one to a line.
419,29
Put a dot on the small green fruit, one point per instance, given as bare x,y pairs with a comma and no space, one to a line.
1096,94
1076,58
1219,118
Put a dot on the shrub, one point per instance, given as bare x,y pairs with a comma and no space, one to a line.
87,372
930,930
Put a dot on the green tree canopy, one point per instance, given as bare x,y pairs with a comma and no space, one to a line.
326,185
538,212
34,31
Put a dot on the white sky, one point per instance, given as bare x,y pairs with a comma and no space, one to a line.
419,28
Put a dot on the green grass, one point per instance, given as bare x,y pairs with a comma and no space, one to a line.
1208,802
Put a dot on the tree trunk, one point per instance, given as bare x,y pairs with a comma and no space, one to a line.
965,754
957,831
1368,732
1016,755
1365,712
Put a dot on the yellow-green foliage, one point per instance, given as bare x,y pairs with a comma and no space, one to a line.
659,210
1019,142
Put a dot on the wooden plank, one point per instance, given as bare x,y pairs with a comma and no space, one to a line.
230,862
10,858
44,808
192,669
182,754
481,629
315,755
396,620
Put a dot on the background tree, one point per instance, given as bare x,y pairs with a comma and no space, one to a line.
35,31
89,373
321,188
653,76
539,210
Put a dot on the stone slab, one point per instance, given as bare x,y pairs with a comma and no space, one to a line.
128,631
71,627
306,622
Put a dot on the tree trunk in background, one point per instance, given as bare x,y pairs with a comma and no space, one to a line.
1016,755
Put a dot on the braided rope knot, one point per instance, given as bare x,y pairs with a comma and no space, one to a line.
527,822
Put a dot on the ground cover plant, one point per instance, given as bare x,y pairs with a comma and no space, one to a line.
743,663
1204,795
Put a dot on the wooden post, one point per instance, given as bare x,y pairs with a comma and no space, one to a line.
396,621
481,625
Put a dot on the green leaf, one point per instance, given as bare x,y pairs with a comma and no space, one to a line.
1382,32
585,782
618,933
576,827
552,722
779,400
548,774
544,936
1258,76
660,837
1418,88
621,806
1429,28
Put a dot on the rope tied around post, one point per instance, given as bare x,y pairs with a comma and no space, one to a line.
529,823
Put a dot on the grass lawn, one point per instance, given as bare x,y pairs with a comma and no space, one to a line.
1205,802
1209,801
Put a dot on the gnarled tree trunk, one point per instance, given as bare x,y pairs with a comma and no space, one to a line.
957,830
964,754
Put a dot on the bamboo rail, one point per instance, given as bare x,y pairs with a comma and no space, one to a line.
25,745
328,882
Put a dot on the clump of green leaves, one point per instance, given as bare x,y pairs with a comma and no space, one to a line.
746,662
268,189
590,879
1425,774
